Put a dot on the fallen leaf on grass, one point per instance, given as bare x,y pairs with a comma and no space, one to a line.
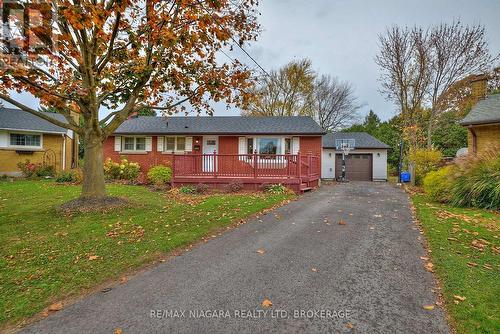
487,266
452,239
460,298
267,303
472,264
429,266
261,251
56,307
93,257
429,307
477,244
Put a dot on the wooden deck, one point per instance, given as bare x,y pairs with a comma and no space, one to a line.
295,170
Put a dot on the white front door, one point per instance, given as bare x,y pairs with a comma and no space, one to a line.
209,147
328,164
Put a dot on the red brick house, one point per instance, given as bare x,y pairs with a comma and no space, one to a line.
221,150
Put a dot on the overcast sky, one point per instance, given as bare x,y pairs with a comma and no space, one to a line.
340,36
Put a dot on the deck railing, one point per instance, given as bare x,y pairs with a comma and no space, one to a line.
254,165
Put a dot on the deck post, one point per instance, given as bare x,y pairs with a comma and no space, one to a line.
172,180
299,166
255,165
215,163
287,165
309,161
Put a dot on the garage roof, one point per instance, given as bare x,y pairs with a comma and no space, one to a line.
362,139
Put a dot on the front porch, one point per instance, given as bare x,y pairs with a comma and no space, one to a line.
298,171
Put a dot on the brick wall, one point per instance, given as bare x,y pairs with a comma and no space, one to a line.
146,160
9,158
227,145
487,136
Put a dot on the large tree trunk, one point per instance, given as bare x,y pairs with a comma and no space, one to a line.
93,172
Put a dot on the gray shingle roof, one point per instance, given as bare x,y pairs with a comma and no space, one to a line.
16,119
220,125
363,140
484,112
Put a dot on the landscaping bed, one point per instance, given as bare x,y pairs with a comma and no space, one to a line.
46,255
464,250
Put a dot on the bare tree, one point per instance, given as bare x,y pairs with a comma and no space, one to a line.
403,60
285,92
455,52
336,106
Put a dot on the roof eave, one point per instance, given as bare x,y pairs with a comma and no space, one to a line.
360,148
485,122
221,133
35,131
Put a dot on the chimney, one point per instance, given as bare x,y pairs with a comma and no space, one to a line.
479,85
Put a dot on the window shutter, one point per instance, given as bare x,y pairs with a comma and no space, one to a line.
189,144
4,139
118,143
149,145
242,145
295,145
159,143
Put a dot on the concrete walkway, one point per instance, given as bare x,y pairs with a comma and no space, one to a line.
321,277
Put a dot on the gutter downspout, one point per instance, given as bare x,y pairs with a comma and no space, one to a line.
63,152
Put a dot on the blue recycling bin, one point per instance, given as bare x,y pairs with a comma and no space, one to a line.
405,177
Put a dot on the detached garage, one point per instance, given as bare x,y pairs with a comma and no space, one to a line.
367,160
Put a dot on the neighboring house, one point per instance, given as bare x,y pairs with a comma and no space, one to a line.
483,121
222,150
367,161
24,136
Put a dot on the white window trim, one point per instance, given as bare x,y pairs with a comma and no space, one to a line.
24,147
135,145
165,151
256,143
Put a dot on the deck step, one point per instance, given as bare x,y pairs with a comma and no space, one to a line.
304,187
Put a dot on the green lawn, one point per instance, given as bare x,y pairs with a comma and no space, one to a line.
465,252
45,256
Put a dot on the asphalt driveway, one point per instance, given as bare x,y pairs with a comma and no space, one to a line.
321,277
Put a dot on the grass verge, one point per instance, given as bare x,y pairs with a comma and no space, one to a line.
46,256
465,251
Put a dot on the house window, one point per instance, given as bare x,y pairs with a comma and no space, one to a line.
135,143
170,144
181,144
288,145
269,145
250,145
175,144
19,139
